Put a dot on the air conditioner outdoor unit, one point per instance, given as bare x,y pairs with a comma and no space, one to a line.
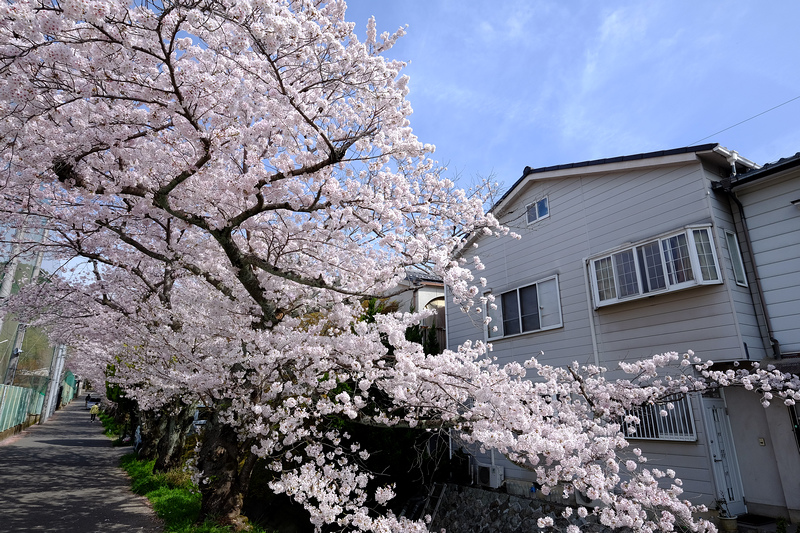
490,476
583,500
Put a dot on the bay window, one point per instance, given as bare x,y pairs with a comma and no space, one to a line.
671,262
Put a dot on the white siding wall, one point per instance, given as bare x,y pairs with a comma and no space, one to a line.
774,225
745,304
589,215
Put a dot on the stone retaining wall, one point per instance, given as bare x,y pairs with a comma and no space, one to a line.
474,510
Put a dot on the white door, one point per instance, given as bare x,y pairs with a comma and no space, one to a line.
727,479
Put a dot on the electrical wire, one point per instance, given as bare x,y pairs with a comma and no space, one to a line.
747,119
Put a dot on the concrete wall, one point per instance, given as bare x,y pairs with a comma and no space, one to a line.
471,510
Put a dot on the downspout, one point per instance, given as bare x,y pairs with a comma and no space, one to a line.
725,186
587,273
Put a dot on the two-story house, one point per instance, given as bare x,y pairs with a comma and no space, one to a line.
623,258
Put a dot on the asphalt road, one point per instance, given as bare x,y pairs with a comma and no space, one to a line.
63,476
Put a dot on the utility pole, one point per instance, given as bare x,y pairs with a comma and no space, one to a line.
9,273
57,367
12,364
11,266
37,266
11,370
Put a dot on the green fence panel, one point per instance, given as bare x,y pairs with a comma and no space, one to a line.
36,404
16,403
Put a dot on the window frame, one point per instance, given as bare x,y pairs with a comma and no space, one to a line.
678,258
535,204
498,315
736,258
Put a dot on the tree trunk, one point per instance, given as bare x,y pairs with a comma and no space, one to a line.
175,422
163,434
149,430
227,466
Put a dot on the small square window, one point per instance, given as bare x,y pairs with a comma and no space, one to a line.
537,210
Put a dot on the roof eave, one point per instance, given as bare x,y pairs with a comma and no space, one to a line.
597,166
766,171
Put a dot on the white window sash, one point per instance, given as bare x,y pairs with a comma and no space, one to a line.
695,257
737,263
549,304
548,300
668,265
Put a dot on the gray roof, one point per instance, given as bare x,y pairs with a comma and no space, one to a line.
417,276
784,163
527,171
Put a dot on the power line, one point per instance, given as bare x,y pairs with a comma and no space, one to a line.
747,119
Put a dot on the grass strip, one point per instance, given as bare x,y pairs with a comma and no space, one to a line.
113,429
175,500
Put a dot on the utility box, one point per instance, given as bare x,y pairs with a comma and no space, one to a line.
490,476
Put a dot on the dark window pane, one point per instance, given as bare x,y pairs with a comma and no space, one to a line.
542,208
531,213
510,313
529,304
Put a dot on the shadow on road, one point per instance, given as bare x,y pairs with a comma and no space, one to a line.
64,477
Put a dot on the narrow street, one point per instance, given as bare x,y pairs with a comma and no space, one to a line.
63,476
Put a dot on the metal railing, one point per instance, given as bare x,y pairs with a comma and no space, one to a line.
669,419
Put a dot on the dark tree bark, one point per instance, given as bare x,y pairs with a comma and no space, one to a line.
174,425
163,434
149,432
229,465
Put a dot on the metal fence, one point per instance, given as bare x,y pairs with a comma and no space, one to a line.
68,388
16,404
669,419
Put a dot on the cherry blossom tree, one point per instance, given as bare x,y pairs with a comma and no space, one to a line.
229,169
237,177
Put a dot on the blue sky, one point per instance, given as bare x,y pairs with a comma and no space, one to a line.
500,85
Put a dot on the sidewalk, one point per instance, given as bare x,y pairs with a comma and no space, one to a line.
64,476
